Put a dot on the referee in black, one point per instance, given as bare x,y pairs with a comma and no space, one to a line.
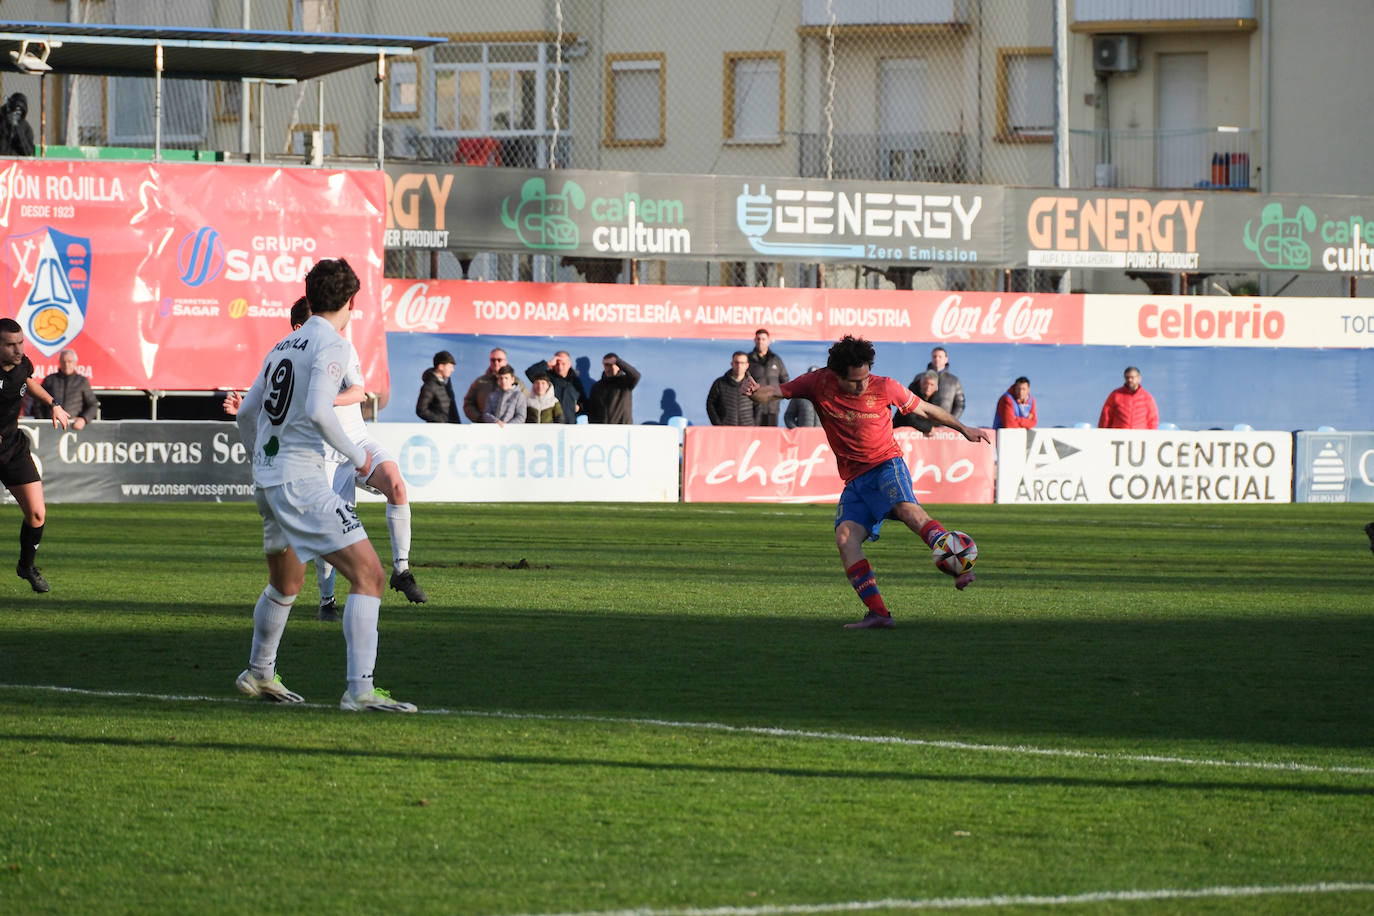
17,470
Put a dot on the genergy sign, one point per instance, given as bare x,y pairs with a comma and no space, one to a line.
1224,321
759,464
415,203
1132,233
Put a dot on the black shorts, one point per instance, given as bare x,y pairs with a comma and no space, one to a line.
16,462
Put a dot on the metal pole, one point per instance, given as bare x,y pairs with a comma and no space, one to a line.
319,103
381,108
245,100
157,107
1061,110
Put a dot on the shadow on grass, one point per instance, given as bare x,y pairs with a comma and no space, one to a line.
279,752
1294,680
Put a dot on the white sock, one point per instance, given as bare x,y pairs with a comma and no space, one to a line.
360,634
324,575
398,526
269,621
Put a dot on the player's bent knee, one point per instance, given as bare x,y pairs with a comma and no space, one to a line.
391,483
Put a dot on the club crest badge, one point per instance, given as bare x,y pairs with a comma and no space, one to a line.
50,286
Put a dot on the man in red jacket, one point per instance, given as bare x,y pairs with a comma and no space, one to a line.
1130,406
1016,407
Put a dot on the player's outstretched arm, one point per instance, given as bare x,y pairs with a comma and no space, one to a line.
60,418
759,394
353,394
942,417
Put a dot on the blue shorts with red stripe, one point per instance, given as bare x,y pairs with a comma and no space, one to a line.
871,497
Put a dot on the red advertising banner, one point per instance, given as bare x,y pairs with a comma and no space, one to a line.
758,464
180,276
708,312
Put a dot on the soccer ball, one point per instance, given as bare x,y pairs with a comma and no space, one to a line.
954,553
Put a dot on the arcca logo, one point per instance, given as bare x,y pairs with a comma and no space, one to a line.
543,221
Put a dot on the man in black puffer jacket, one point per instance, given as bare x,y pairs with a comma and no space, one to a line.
436,403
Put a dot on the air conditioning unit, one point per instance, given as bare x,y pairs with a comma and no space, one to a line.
1116,53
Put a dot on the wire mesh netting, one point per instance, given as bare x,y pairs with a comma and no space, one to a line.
942,90
873,90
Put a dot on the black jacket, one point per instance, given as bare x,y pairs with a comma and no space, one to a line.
726,405
611,400
435,403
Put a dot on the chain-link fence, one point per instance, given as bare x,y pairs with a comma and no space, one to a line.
872,90
954,90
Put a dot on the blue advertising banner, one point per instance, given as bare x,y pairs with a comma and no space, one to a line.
1334,467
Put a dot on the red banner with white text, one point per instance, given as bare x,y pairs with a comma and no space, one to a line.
758,464
708,312
181,276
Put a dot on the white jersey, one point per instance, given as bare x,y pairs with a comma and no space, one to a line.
287,418
350,415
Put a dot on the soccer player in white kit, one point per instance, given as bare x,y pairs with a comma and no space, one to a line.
287,422
385,479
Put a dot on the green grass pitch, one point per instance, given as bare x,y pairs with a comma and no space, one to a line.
654,709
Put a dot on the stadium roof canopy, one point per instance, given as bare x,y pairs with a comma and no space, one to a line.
192,53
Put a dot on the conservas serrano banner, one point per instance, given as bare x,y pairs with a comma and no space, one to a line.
618,310
181,276
141,461
756,464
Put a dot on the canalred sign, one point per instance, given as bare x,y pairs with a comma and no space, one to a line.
180,276
706,312
758,464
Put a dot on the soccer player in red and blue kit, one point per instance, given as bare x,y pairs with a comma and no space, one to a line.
854,407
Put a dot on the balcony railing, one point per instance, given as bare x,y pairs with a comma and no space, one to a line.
1088,11
526,151
1205,157
884,12
925,156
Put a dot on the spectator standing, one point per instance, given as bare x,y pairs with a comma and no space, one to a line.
611,397
766,368
506,403
475,401
950,395
16,136
925,386
542,406
1130,406
800,411
436,403
70,389
726,403
567,384
1016,407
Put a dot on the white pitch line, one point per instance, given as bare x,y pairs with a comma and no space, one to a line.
971,903
1027,750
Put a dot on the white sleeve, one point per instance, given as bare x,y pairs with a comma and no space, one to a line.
247,417
330,367
354,374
